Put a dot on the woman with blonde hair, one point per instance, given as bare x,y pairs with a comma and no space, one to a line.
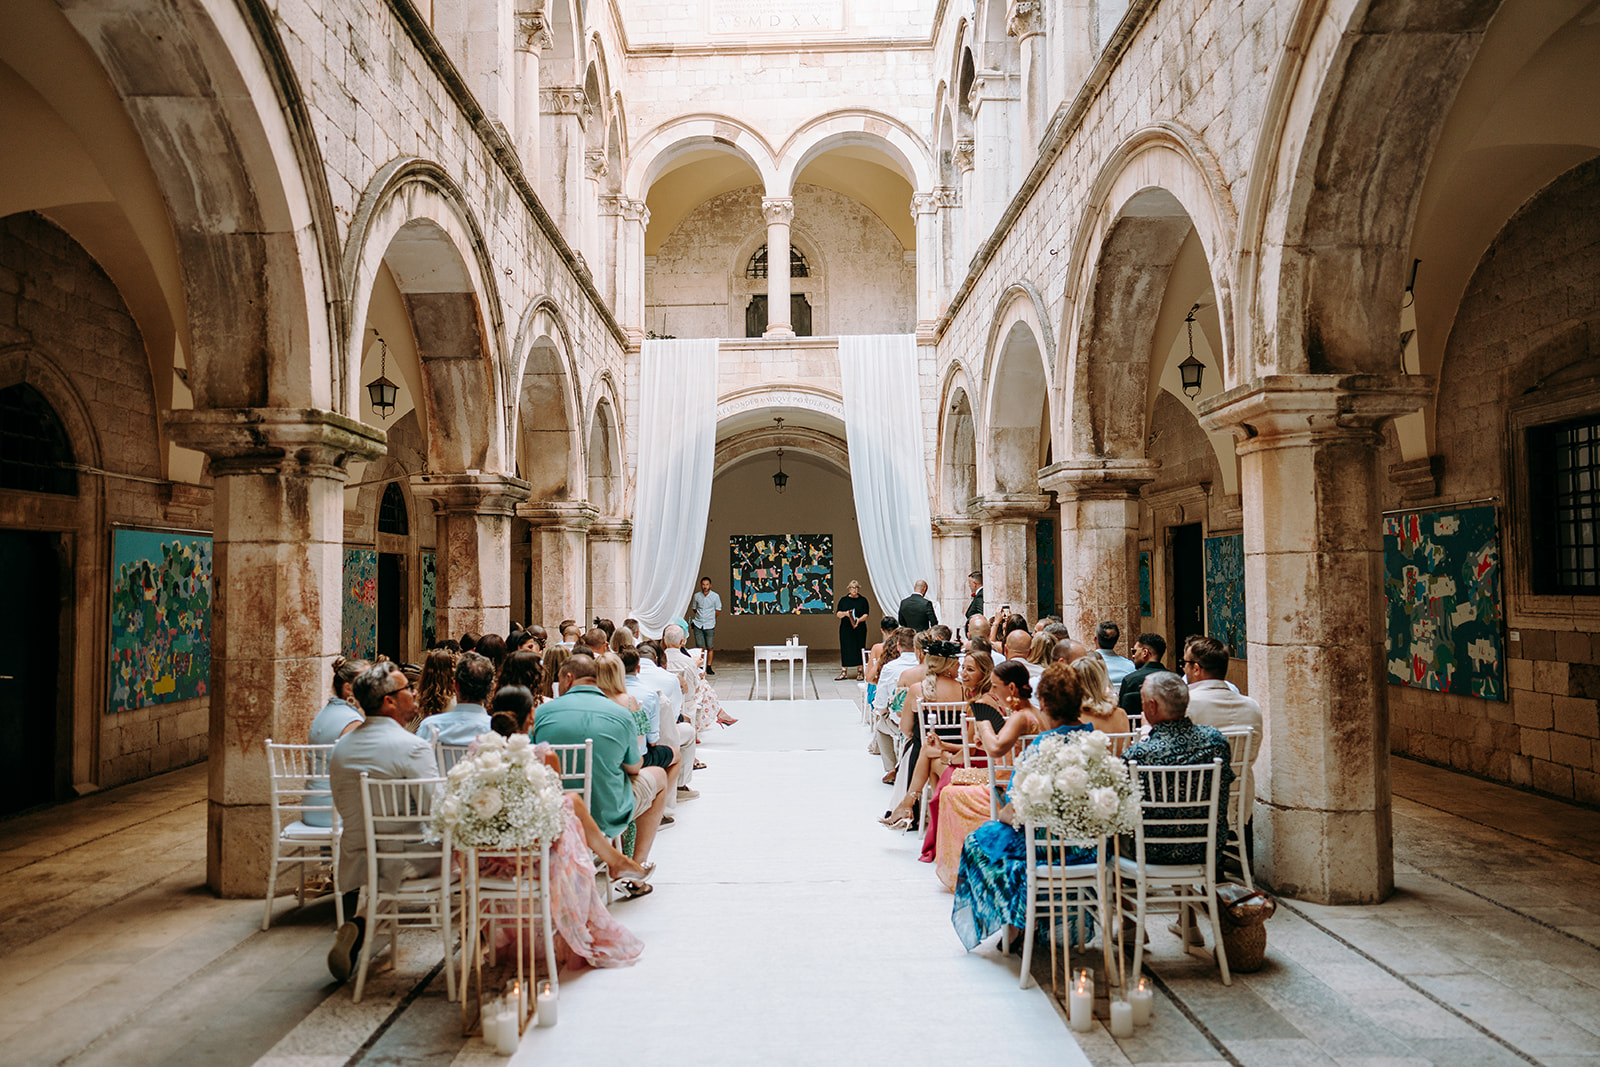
1099,708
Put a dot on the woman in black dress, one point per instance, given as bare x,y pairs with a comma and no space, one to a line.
852,612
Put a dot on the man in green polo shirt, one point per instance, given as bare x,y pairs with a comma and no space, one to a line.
623,788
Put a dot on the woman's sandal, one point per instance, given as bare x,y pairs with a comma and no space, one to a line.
841,676
631,890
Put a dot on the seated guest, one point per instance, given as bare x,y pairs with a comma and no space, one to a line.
549,670
1015,692
939,684
383,748
960,802
977,626
462,724
1068,651
708,709
468,642
1213,701
520,668
900,656
1147,653
1177,741
1099,710
677,737
596,642
493,648
623,789
1019,647
436,688
338,717
992,880
1106,636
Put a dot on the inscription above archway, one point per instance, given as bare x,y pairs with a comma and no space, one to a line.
780,398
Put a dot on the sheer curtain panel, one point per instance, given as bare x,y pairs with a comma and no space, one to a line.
672,499
888,475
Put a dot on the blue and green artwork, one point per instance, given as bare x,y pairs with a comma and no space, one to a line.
358,630
1146,603
1441,574
430,597
160,618
782,574
1225,592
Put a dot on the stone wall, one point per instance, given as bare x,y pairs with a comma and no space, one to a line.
861,281
59,307
1528,326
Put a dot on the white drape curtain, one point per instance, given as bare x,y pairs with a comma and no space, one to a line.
672,497
888,475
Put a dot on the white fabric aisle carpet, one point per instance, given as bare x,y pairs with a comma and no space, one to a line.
789,927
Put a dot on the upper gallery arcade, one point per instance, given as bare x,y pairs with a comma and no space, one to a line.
1373,224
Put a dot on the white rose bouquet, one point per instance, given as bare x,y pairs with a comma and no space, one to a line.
500,797
1075,787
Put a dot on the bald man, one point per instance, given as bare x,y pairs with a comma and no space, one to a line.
916,611
1068,651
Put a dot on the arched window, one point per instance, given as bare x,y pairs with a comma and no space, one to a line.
35,455
392,511
757,267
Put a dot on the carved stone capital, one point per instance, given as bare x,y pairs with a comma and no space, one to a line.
1024,18
308,441
1098,478
611,530
947,196
1288,409
923,204
594,164
635,211
1011,507
1418,479
954,526
778,210
575,516
533,32
471,492
966,149
562,100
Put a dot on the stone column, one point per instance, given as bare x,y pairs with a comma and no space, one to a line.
925,210
609,593
277,582
630,267
561,156
998,142
1008,550
559,557
472,516
954,557
533,37
594,170
950,237
1308,446
779,211
1025,21
1099,540
967,164
612,254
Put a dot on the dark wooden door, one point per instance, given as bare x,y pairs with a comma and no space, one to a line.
1186,546
391,605
34,762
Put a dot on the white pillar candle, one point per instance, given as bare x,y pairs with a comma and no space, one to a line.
1142,999
1080,1003
490,1019
1121,1019
547,1004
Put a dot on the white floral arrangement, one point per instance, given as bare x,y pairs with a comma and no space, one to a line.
503,796
1075,787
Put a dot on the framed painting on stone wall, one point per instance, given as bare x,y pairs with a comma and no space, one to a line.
1225,592
1146,601
781,574
358,627
430,597
1441,576
160,617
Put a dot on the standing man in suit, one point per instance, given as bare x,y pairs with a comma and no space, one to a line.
383,748
975,587
916,610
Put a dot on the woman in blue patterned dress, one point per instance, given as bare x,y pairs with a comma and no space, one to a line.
992,882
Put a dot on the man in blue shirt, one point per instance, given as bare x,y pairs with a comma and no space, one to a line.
1106,636
705,606
462,724
624,789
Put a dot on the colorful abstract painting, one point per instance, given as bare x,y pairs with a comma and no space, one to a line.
1146,603
1225,592
359,627
430,597
1441,574
782,574
160,618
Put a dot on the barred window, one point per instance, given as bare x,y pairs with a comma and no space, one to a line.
35,455
392,511
757,267
1564,478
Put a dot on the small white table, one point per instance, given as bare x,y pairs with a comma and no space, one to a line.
768,653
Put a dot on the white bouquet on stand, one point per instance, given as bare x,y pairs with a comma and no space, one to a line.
1075,787
501,797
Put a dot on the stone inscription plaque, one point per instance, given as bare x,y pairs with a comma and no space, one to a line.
776,16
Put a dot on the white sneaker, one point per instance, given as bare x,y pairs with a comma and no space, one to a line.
685,793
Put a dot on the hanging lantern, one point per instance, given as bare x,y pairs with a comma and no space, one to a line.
381,391
780,480
1191,370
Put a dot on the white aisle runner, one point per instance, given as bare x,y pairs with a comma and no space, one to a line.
789,927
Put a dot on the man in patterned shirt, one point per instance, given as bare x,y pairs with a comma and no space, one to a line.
1175,741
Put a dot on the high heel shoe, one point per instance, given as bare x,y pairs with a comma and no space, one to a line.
903,823
891,819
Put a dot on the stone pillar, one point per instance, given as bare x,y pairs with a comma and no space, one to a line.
609,593
561,156
950,236
1009,565
559,556
278,542
1308,446
533,37
612,252
472,516
1099,540
779,211
1025,21
954,557
630,267
594,170
998,140
925,210
967,164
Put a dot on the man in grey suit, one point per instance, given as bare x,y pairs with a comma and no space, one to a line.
383,748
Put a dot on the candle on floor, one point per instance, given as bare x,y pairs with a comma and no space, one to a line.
547,1004
1142,998
490,1020
1080,1002
510,1030
1121,1019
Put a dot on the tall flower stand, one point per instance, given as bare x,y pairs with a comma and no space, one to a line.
513,891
